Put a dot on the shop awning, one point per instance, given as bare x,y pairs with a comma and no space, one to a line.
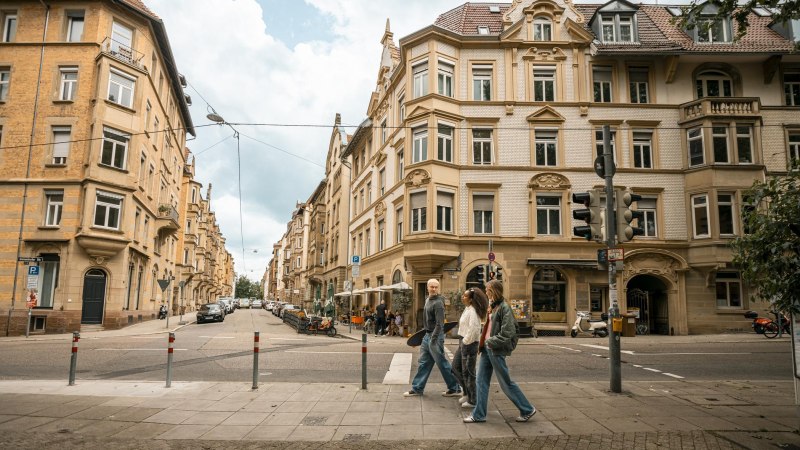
585,263
401,286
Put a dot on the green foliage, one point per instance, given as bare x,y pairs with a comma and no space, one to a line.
454,299
247,289
782,10
769,252
401,300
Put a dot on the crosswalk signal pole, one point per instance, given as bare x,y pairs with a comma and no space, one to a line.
611,233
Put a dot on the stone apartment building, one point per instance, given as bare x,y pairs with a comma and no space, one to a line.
483,124
93,124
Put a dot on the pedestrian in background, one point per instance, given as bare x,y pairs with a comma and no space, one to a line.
469,328
431,352
498,340
380,318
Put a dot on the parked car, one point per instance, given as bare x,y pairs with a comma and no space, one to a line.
211,311
244,303
288,307
255,304
270,304
227,305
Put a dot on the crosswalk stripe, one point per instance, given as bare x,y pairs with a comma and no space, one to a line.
399,370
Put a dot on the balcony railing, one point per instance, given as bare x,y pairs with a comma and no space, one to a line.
720,106
122,52
167,217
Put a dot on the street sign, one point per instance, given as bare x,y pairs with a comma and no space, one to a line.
491,256
164,283
600,167
616,254
33,270
347,285
28,259
602,256
356,271
33,282
356,260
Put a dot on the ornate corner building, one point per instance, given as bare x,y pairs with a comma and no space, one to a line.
483,124
98,191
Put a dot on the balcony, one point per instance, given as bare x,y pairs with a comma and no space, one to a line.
122,52
167,218
721,107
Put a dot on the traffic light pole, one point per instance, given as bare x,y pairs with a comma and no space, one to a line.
611,234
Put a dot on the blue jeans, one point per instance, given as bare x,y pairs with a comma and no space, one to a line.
430,354
489,363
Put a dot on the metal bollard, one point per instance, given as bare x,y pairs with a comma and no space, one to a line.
364,361
169,359
73,362
255,359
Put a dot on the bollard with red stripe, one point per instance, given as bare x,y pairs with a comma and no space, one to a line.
364,361
73,362
255,358
170,349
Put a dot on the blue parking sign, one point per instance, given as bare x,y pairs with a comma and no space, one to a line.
33,270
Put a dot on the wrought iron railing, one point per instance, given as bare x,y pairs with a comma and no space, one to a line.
122,52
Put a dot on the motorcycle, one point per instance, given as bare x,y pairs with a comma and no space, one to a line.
759,323
585,324
162,312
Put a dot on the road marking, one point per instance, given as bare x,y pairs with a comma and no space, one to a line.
399,370
219,337
693,353
627,352
136,349
636,365
334,353
147,337
651,370
448,353
672,375
566,348
286,339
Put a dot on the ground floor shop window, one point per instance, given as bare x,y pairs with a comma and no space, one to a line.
48,280
729,290
549,295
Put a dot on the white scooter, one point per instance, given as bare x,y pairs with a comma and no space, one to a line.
584,324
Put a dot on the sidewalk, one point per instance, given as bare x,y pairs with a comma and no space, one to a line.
669,414
139,329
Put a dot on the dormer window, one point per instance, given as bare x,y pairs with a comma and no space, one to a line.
483,30
542,29
711,30
617,28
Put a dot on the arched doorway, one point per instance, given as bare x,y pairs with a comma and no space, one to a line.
94,297
475,278
649,294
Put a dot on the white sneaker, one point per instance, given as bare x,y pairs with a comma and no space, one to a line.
463,399
467,405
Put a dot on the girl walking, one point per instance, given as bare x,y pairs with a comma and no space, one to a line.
469,328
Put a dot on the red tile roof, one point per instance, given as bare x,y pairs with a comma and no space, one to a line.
139,4
656,30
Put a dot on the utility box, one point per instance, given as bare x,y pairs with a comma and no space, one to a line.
629,325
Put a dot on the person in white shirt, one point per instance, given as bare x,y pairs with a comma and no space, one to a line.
469,329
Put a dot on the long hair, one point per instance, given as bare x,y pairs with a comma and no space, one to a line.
479,301
494,289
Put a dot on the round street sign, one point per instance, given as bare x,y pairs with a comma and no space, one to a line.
600,167
491,256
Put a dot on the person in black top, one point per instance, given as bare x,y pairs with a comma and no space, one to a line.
380,318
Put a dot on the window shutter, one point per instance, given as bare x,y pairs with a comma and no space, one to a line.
483,202
418,200
61,142
444,199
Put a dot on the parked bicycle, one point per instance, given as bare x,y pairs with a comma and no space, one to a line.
771,329
319,325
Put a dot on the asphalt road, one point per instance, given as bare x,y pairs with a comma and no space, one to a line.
224,352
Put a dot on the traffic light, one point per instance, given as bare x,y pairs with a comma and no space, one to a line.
481,273
593,230
625,231
499,273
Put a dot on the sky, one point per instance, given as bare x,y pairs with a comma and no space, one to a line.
280,62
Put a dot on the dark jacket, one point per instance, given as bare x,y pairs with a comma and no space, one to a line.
505,330
434,316
380,311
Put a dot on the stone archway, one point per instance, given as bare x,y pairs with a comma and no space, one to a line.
648,295
655,278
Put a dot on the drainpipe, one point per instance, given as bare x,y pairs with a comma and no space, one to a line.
28,168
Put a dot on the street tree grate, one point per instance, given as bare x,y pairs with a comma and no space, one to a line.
356,437
314,421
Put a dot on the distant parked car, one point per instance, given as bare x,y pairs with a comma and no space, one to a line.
270,304
244,303
227,305
288,308
255,304
211,311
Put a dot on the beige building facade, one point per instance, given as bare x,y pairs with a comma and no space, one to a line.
483,125
93,124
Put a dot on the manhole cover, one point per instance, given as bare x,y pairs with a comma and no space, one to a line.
314,420
356,437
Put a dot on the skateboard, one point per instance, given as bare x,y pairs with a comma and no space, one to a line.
415,340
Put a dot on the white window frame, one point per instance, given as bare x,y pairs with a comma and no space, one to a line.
693,140
542,29
68,85
625,22
742,138
5,82
544,77
791,88
399,228
116,87
444,212
728,282
607,23
483,30
550,212
112,202
643,149
419,151
482,83
724,80
719,135
62,139
480,144
636,86
700,202
598,140
381,234
445,78
72,17
420,79
482,220
603,84
401,107
444,142
548,140
793,149
649,207
121,39
382,180
368,242
730,203
55,207
419,216
711,35
10,24
118,142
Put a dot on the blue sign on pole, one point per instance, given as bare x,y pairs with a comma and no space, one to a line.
356,260
33,270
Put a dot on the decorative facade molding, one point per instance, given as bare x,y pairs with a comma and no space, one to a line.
535,54
549,181
418,178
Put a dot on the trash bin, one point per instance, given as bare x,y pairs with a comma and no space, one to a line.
629,325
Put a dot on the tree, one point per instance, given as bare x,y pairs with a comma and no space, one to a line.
782,11
247,289
768,253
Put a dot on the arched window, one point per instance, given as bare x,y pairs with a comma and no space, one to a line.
397,277
549,295
713,83
542,29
